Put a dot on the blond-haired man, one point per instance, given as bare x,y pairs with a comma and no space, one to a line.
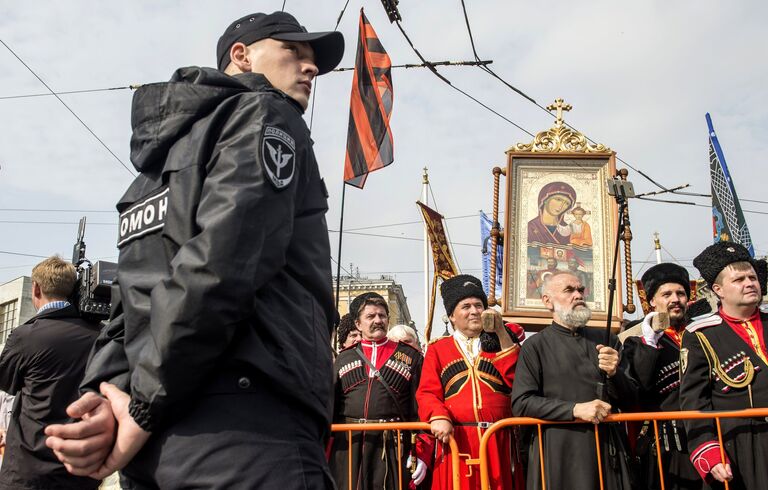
42,364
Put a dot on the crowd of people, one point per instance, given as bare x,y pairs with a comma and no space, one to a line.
215,369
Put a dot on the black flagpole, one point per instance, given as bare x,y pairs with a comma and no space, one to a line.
341,234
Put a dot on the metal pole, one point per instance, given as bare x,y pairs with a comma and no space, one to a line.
341,235
425,200
657,246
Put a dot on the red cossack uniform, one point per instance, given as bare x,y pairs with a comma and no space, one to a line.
470,394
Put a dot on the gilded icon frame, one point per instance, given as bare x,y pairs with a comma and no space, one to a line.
537,240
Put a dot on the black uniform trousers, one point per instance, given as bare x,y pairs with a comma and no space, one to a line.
252,439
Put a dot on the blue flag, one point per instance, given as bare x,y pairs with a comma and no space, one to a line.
728,223
485,239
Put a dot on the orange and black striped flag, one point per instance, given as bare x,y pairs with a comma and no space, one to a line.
369,138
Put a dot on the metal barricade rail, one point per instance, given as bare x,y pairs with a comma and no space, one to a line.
619,417
397,427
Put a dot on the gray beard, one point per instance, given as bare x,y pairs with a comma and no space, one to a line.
574,317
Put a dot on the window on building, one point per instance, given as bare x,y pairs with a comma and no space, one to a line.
8,313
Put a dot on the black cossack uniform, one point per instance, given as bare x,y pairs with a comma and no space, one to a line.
222,310
657,372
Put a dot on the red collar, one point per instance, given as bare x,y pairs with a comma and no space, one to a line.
753,319
369,343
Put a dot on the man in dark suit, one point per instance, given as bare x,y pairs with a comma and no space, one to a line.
42,364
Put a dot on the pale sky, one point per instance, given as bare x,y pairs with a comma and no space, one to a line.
640,76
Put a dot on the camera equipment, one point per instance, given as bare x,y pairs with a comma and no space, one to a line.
620,189
92,293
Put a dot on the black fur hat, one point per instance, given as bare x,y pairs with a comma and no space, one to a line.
664,273
461,287
359,301
717,257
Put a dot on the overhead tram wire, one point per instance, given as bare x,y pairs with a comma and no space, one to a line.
688,203
314,91
411,239
490,72
30,210
432,68
68,108
69,92
23,255
23,222
484,67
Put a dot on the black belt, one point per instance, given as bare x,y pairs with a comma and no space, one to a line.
350,420
482,425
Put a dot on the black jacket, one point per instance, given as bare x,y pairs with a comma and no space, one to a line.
224,256
42,364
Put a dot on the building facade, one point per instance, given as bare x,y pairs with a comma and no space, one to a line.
15,305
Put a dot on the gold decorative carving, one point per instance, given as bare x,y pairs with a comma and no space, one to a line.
559,138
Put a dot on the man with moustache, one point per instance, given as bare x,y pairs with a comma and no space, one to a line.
653,359
557,379
465,386
723,361
375,382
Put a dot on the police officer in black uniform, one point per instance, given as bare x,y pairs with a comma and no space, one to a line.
218,351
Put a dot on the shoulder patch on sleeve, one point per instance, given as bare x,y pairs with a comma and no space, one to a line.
145,216
707,321
278,156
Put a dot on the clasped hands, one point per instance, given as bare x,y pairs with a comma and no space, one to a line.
103,440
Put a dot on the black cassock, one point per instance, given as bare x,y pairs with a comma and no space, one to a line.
657,371
557,368
703,388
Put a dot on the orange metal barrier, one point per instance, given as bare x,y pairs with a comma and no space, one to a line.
620,417
397,427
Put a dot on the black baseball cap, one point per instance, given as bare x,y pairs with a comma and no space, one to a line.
328,46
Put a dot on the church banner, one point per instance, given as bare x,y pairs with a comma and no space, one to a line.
728,223
445,267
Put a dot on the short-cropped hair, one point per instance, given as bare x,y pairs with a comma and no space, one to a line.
736,266
55,276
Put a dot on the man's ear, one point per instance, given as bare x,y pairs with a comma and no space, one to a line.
547,302
238,53
717,289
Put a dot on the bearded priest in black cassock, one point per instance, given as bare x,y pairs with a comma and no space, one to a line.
556,379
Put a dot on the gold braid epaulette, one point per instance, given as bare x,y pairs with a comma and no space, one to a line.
749,369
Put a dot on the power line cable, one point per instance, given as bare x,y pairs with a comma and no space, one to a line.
448,82
21,222
68,92
30,210
23,255
530,99
375,235
688,203
484,67
314,91
68,108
